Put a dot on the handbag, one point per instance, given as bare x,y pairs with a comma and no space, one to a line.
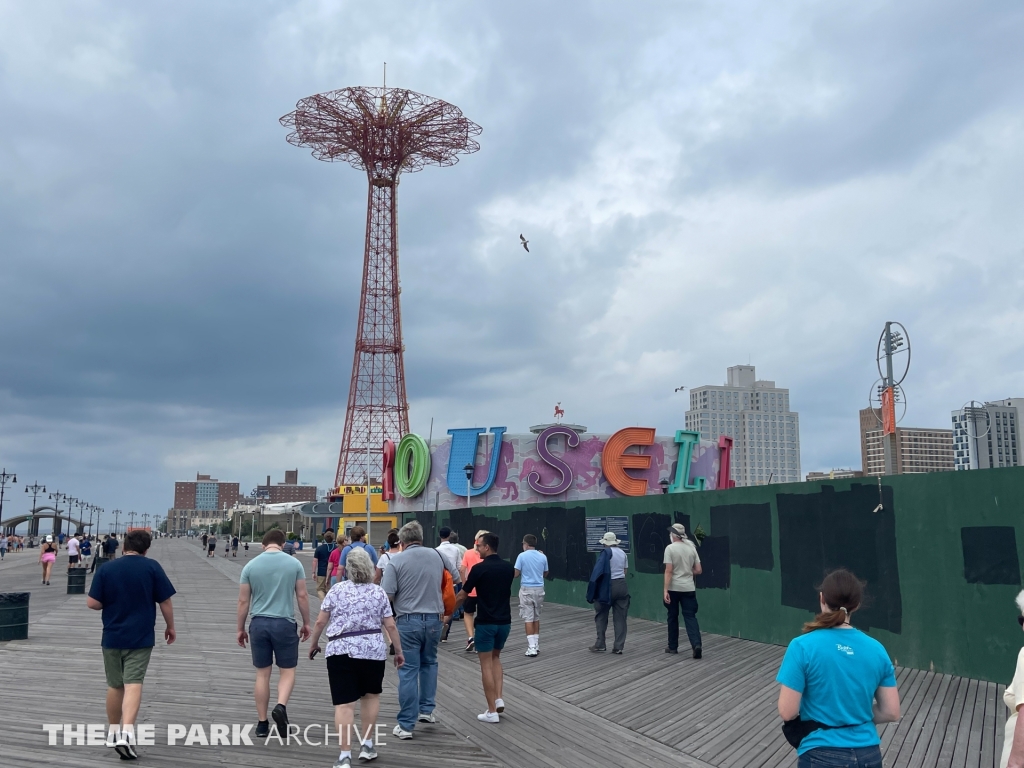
447,587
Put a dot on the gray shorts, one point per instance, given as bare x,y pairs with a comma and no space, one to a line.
531,600
273,639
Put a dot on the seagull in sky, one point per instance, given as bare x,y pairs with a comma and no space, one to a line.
525,242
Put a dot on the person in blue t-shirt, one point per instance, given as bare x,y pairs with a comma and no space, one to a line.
358,534
837,678
128,590
531,568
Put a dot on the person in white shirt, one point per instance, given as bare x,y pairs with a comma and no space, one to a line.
531,568
682,563
74,547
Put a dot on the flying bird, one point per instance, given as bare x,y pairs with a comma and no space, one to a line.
525,243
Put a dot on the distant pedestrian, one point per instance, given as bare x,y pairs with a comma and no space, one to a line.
86,551
469,561
1013,697
385,557
320,557
414,582
357,534
491,579
353,614
271,584
110,547
608,592
836,683
47,556
205,537
234,546
128,592
335,560
211,546
3,545
531,568
682,563
74,550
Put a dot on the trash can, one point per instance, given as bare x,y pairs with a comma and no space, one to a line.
100,560
76,581
14,615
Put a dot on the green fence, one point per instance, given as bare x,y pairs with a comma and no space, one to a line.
941,558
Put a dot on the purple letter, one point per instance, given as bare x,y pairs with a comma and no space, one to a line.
572,440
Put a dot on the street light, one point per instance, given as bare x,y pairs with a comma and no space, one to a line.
57,497
664,485
35,489
99,511
117,516
468,469
131,520
81,510
4,478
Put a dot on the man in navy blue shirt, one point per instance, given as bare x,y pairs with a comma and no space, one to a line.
128,591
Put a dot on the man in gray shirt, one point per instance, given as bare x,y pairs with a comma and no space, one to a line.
413,584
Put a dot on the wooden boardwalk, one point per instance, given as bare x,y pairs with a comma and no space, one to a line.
567,708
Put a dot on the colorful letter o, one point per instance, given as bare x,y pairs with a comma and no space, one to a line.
412,466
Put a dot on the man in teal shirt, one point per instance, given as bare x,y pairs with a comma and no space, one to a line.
270,586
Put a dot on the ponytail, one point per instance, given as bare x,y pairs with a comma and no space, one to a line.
842,593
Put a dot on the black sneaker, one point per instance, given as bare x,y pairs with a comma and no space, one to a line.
596,649
671,650
262,729
280,715
617,651
697,652
470,644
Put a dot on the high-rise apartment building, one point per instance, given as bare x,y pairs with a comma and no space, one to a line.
986,436
918,450
756,415
289,490
205,493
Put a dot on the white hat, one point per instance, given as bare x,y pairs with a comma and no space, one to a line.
49,537
610,540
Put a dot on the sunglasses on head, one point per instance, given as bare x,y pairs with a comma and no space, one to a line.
1020,620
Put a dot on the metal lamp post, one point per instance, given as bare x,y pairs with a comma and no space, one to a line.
468,469
117,517
35,489
57,497
5,477
131,520
82,506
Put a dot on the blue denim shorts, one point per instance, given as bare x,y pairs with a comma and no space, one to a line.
273,639
839,757
490,637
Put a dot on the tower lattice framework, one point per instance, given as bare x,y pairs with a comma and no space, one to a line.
384,132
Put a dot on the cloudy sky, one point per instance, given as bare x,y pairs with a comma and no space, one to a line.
702,183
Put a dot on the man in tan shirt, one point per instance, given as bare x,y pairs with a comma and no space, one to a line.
682,563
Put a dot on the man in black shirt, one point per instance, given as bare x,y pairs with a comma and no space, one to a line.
492,580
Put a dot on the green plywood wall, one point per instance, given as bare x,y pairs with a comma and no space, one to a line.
945,622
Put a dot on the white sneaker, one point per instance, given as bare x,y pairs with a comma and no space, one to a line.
125,747
401,733
425,717
488,717
499,705
531,652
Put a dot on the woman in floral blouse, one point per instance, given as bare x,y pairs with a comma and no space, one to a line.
353,613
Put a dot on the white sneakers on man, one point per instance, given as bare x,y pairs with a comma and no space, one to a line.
488,717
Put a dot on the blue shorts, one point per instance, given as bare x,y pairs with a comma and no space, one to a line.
273,639
490,637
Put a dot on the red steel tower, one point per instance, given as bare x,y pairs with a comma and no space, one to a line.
384,132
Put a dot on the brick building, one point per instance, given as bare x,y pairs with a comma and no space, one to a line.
289,490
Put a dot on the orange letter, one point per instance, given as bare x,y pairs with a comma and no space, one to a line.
615,461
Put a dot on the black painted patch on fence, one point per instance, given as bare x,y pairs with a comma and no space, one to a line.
714,563
990,555
425,517
819,532
650,537
749,528
561,535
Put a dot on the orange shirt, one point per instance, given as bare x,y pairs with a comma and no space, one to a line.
471,558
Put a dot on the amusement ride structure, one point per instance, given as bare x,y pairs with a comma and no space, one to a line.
384,132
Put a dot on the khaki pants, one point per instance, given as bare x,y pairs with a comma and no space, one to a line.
321,587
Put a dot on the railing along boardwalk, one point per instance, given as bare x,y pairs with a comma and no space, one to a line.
567,708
